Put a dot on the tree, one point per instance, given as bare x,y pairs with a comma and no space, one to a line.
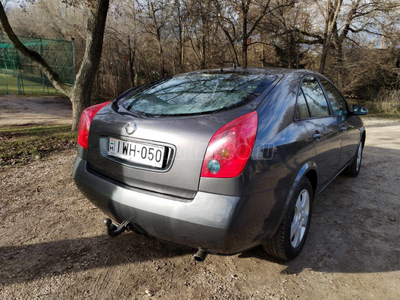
279,32
342,18
359,18
80,92
200,30
154,18
239,19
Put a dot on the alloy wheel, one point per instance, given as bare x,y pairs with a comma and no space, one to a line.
359,155
300,218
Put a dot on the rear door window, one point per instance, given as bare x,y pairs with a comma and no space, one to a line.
198,93
337,102
315,97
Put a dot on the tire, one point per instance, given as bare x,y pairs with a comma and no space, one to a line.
354,169
285,244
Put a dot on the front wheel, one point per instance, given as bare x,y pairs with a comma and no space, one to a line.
289,240
354,169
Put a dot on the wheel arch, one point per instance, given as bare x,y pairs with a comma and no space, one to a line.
312,175
309,170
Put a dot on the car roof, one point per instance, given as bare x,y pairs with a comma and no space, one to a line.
251,71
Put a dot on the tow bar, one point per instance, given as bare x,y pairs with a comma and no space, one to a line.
113,230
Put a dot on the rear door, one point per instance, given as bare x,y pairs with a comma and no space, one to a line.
322,126
350,135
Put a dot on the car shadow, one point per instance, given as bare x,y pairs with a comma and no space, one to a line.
25,263
355,229
356,225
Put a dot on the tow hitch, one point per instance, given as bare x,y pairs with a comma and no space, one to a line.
113,230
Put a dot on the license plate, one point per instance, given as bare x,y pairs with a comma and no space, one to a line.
143,154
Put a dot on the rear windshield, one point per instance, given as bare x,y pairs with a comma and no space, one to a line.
198,93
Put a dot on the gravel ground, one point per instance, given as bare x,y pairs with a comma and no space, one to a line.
53,244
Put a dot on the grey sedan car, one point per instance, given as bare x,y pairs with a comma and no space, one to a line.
219,160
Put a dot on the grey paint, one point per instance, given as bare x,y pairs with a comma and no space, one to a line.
223,224
221,215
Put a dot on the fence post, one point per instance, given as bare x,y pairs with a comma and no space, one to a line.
73,57
19,84
6,83
41,53
22,84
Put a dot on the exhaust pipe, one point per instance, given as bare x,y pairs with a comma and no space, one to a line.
113,230
200,255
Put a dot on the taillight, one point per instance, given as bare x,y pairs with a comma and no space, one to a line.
85,121
230,148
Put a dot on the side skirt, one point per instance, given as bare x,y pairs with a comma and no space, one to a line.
333,178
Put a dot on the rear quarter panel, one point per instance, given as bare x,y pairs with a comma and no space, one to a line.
283,150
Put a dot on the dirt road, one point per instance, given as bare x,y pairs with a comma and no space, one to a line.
21,111
53,245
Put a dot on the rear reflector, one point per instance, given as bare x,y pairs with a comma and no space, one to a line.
85,121
230,148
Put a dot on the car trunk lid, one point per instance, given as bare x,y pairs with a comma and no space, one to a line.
185,140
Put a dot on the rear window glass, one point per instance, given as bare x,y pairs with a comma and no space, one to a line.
198,93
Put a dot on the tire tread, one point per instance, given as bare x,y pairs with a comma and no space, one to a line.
278,246
275,246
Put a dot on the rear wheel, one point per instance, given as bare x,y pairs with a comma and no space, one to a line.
291,235
353,169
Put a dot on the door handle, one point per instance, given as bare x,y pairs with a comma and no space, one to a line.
317,135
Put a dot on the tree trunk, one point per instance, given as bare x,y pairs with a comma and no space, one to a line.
289,42
203,49
339,58
244,52
333,10
325,43
324,55
94,46
130,63
78,105
162,64
157,31
232,48
182,58
245,36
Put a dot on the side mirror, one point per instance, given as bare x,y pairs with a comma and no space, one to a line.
359,110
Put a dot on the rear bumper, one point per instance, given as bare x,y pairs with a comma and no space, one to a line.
218,223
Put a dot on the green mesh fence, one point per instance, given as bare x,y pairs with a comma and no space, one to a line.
19,75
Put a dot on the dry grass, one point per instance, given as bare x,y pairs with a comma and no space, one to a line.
23,145
387,102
